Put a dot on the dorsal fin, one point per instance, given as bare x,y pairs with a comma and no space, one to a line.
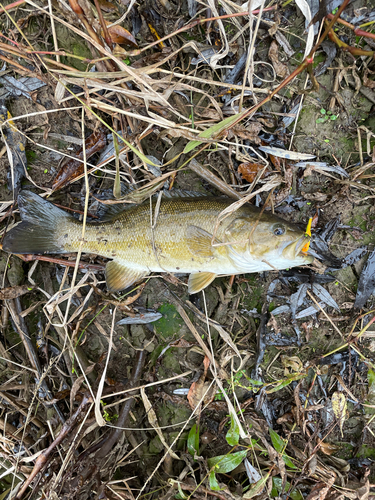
106,212
183,193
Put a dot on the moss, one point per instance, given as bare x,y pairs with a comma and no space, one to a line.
170,361
171,322
366,451
31,157
255,298
155,446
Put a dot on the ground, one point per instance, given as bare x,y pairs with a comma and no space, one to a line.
226,394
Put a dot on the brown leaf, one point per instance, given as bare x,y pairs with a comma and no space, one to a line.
195,393
276,162
248,171
107,6
320,490
73,168
328,448
292,362
249,133
315,196
13,292
367,82
122,36
281,69
59,396
182,343
339,407
154,58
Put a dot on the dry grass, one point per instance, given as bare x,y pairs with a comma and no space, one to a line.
79,426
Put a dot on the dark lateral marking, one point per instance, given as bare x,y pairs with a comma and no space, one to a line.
177,268
66,235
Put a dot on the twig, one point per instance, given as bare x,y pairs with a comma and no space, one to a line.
113,438
65,430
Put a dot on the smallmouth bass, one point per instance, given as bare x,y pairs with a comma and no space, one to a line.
181,235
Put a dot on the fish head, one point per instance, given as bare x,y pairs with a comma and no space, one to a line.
267,241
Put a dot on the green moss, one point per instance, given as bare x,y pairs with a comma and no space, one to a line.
155,446
358,220
171,322
255,298
366,451
170,361
345,450
318,59
31,157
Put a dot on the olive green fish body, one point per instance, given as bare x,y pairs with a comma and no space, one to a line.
177,235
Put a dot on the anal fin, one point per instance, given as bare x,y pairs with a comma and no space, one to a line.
199,281
119,276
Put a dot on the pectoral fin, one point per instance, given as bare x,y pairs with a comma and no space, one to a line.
118,276
200,241
198,281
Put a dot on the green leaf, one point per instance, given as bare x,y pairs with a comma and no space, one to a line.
277,482
284,383
277,441
214,485
233,435
212,132
288,462
226,463
323,111
193,441
279,445
181,495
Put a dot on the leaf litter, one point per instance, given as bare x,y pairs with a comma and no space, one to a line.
266,380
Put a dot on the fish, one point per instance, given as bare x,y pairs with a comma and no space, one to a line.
175,233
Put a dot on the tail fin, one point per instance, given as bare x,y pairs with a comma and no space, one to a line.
41,227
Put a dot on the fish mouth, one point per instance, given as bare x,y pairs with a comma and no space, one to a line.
298,249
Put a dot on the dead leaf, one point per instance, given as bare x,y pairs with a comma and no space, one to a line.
122,36
319,491
201,391
249,133
314,196
107,6
339,407
366,80
152,418
248,171
328,448
151,59
73,168
281,69
292,362
13,292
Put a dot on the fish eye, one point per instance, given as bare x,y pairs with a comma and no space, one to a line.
279,230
